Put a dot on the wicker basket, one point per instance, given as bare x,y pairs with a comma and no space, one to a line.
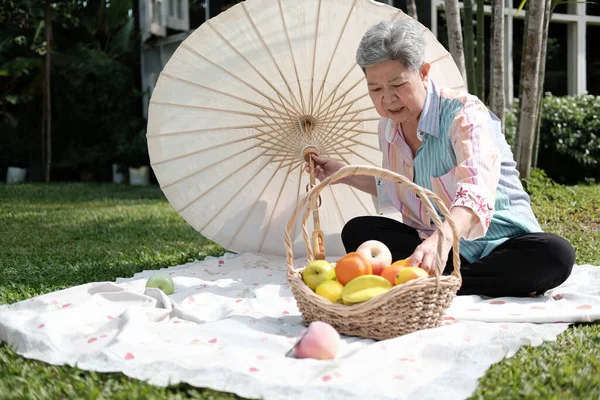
415,305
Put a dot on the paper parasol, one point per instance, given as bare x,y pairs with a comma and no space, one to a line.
242,98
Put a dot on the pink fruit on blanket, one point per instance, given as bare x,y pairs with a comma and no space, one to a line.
319,341
377,253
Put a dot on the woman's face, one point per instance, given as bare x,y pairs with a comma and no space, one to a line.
397,92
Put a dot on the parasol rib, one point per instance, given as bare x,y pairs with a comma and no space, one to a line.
314,63
210,189
237,232
344,94
232,47
231,74
264,43
241,189
272,214
224,144
343,30
201,170
206,130
337,203
287,34
225,94
339,85
221,110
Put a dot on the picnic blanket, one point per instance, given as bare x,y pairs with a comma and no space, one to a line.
232,319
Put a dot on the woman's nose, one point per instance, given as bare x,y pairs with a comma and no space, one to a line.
389,97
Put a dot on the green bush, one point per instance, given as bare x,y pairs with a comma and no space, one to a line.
94,110
570,138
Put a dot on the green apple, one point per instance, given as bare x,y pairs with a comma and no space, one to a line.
316,272
163,282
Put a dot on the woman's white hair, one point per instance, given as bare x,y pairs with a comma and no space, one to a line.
401,40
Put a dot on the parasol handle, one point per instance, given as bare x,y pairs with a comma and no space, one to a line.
318,239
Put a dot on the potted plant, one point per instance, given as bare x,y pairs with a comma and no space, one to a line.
14,154
134,153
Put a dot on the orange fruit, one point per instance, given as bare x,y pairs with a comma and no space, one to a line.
351,266
390,272
404,263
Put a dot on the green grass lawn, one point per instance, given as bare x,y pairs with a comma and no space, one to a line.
60,235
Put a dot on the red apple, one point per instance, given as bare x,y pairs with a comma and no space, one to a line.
377,253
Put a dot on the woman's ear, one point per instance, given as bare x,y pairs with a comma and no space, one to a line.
425,71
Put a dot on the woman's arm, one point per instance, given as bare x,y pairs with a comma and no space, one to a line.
473,183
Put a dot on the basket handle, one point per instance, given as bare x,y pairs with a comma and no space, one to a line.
423,194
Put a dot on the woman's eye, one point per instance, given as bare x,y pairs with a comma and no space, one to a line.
376,90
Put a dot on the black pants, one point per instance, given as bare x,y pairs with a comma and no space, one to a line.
530,263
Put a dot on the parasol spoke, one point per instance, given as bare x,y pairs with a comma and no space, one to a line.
206,130
213,187
355,153
287,34
328,134
253,67
266,47
272,214
203,169
221,110
337,203
343,30
350,102
314,63
241,188
347,90
225,94
342,96
196,152
231,74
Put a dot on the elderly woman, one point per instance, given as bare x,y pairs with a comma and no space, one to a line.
448,142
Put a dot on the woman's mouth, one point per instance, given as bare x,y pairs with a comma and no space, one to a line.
395,111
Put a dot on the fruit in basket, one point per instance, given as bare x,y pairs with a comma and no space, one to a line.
410,273
364,288
331,290
390,272
378,254
163,282
351,266
320,341
317,272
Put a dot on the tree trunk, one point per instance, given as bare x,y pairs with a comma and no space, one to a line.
455,35
536,145
528,103
411,7
480,51
497,73
46,97
469,50
522,71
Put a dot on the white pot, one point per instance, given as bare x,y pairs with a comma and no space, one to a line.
139,176
118,177
15,175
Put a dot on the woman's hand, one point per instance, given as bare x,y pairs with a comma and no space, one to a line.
324,167
425,254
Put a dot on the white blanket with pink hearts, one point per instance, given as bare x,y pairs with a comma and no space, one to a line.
231,320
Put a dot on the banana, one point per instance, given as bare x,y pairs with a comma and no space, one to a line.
364,288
